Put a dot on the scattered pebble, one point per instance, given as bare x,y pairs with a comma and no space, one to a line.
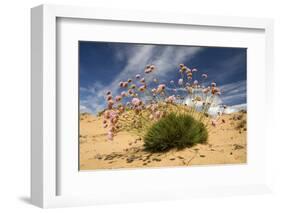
172,159
237,146
156,159
180,157
130,159
202,156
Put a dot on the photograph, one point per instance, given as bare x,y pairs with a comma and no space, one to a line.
161,105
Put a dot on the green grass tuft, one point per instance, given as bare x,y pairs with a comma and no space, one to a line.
174,131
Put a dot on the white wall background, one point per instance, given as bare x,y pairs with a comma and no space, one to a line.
15,103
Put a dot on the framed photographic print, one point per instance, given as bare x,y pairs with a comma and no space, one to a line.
148,105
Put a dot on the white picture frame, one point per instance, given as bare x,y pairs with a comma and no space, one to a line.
44,153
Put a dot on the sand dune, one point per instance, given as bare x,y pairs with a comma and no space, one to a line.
226,145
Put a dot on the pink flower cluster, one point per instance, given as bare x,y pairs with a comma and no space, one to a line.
144,98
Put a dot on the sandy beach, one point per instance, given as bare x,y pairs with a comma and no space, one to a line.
226,145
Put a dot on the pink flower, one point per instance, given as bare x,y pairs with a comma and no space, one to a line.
142,88
213,84
121,84
160,88
180,82
136,102
110,104
118,98
171,99
109,97
106,114
147,71
125,84
123,94
130,91
104,125
142,80
137,76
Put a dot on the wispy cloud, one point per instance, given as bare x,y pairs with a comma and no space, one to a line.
234,92
166,60
92,98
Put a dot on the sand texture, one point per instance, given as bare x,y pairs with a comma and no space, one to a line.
226,145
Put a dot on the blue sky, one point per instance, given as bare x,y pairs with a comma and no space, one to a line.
102,65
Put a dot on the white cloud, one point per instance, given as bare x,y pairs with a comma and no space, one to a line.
233,91
166,59
93,100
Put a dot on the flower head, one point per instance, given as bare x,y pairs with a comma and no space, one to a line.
160,88
204,76
142,80
194,70
121,84
123,94
171,99
142,88
136,102
110,104
118,98
109,97
180,82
